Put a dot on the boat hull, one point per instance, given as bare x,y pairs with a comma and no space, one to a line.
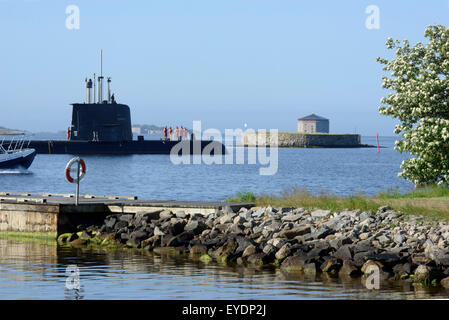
125,147
21,160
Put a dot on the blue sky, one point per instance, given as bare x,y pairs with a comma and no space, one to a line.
261,62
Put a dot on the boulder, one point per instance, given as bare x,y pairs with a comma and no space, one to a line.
291,217
269,250
198,249
259,258
349,269
320,213
149,215
425,273
166,214
249,250
331,266
158,232
283,252
293,264
195,226
138,235
297,231
180,214
78,242
343,253
445,283
109,223
177,228
126,217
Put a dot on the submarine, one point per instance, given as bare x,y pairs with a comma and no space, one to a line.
104,127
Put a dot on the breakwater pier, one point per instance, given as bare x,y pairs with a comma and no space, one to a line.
54,214
303,140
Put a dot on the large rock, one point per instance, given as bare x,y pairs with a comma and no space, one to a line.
185,236
283,252
322,233
177,227
166,214
331,266
109,223
243,243
249,250
198,249
425,274
293,264
258,258
349,269
158,232
195,226
126,218
387,259
269,250
149,215
291,217
445,283
437,254
138,235
320,213
343,253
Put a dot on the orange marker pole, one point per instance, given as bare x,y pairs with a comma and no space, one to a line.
377,138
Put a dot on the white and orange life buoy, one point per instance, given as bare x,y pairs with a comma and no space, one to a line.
69,169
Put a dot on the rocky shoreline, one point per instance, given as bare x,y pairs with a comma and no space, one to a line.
296,240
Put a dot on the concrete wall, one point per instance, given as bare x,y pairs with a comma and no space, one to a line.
15,217
303,140
52,219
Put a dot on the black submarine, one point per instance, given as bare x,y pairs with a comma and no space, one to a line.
104,127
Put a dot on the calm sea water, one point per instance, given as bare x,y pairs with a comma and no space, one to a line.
340,171
36,270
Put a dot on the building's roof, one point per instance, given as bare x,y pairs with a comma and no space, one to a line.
312,116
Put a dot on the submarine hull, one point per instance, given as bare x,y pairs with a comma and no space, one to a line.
126,147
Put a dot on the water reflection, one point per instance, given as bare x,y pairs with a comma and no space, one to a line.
37,270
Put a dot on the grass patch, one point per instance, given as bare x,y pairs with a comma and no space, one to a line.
40,237
243,197
431,202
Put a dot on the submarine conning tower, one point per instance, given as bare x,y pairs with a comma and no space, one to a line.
101,120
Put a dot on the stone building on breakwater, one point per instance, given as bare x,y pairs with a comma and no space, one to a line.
313,124
313,132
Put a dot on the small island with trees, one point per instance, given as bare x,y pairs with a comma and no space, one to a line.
12,132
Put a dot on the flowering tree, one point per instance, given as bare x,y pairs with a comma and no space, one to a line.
419,99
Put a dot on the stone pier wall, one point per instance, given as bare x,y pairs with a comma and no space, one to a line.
302,140
16,217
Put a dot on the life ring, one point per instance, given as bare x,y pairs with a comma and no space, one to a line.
69,169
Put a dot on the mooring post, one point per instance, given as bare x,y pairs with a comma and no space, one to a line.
78,182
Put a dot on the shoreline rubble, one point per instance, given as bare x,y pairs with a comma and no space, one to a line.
296,240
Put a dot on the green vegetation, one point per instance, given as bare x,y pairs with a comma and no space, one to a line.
6,131
243,197
417,97
431,202
39,237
